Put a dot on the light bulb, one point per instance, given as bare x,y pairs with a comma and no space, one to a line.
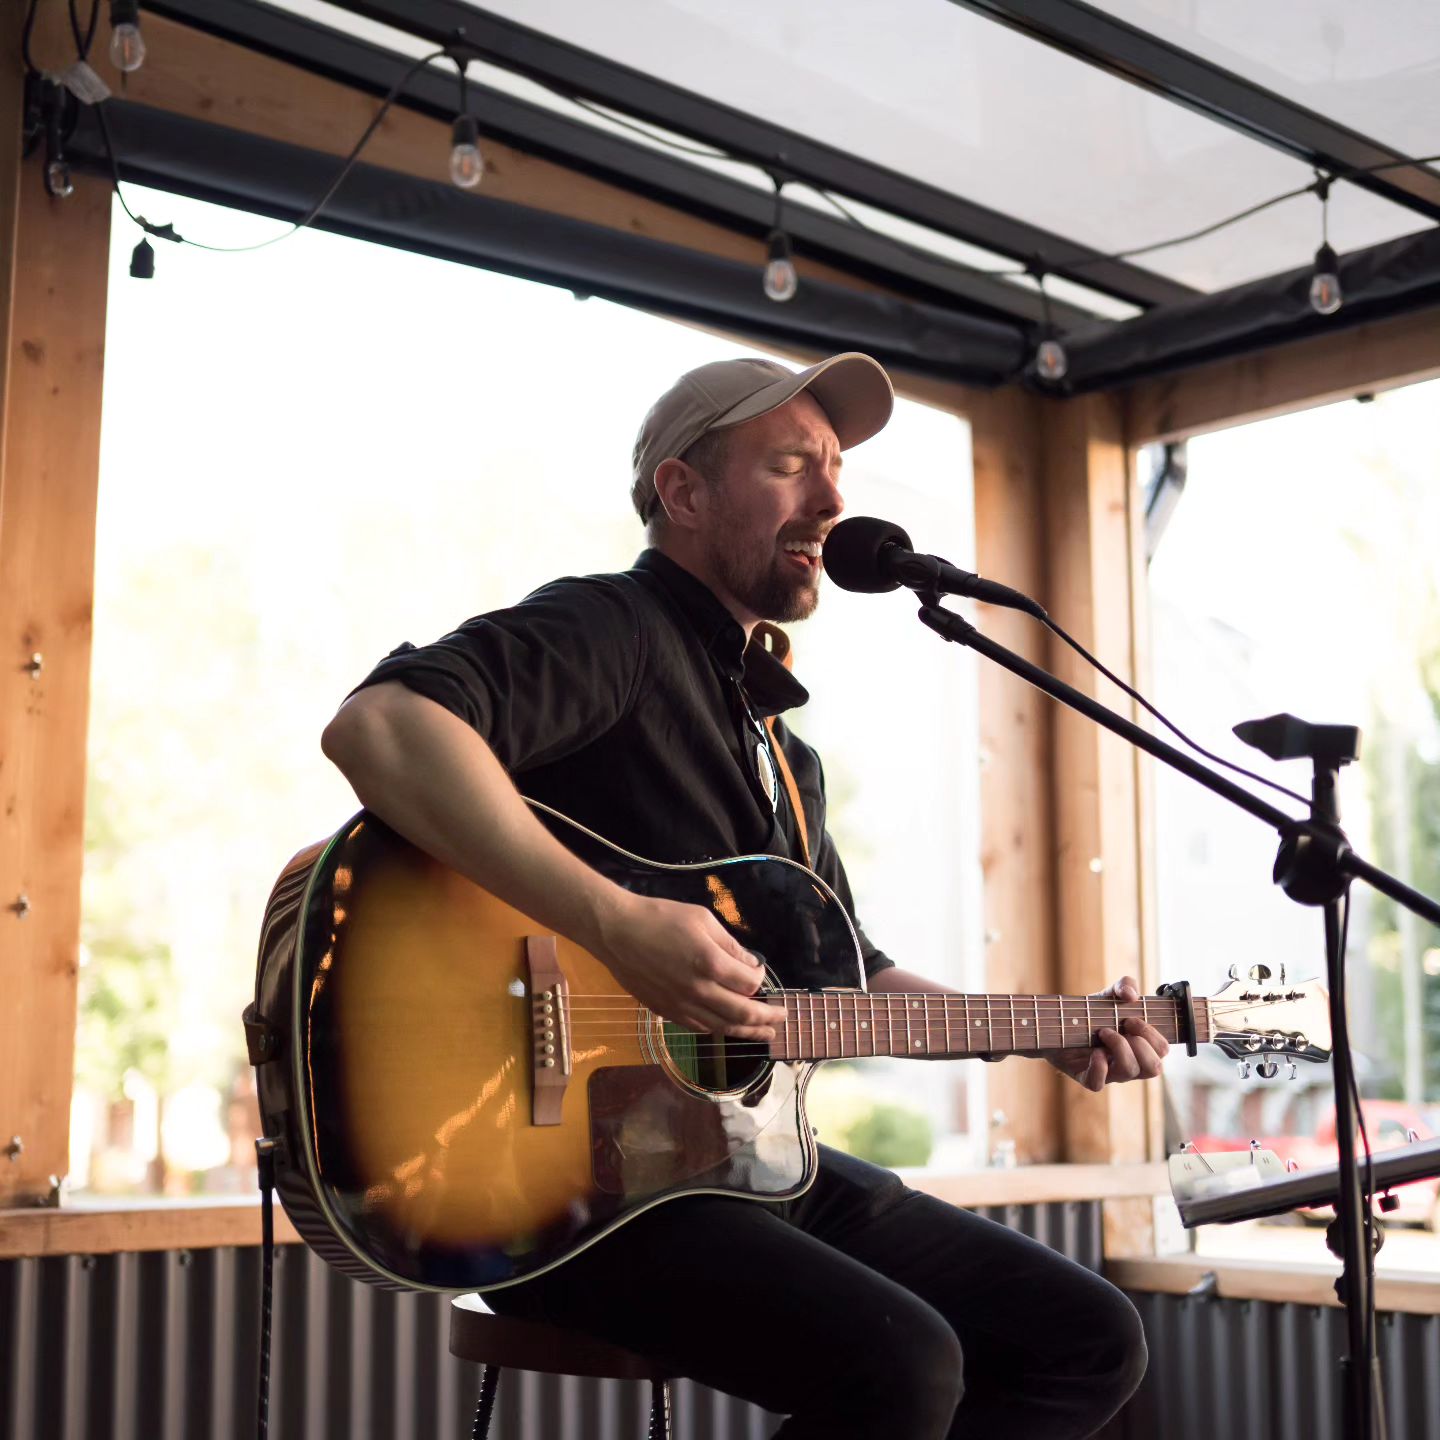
781,281
57,179
1051,361
127,47
1326,297
467,164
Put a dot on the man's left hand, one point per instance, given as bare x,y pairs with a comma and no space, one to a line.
1134,1052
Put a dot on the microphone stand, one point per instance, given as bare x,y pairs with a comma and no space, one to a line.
1315,866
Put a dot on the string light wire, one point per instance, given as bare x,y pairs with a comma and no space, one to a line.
168,232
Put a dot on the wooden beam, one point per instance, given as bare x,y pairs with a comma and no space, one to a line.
1089,511
1378,356
1277,1283
111,1229
192,1225
57,275
1016,817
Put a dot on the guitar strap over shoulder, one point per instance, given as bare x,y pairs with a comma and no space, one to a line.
777,642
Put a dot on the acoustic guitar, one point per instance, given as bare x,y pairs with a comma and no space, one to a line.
462,1100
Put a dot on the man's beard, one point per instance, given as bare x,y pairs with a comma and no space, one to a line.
766,591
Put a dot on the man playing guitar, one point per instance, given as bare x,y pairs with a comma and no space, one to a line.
646,705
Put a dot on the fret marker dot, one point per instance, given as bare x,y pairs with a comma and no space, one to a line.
917,1044
978,1025
914,1004
1024,1022
833,1025
864,1024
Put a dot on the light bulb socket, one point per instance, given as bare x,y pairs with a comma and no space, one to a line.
1327,262
465,131
142,261
777,247
124,12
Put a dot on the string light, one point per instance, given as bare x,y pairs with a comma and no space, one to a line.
1326,296
467,164
780,280
127,44
1052,363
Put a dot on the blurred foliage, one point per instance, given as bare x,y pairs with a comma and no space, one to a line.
126,999
844,1108
891,1135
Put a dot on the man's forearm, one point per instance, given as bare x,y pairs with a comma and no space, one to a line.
428,775
896,981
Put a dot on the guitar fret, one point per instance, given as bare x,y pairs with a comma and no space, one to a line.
850,1022
850,1026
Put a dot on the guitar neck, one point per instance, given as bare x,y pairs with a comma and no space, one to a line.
836,1024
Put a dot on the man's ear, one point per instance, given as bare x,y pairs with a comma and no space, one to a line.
680,488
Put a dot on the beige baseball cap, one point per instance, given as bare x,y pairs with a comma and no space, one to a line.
853,390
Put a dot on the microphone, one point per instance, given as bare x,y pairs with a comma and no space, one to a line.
873,556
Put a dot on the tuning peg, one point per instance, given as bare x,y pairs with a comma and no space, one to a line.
1259,973
1282,974
1244,1067
1268,1069
1234,972
1294,1070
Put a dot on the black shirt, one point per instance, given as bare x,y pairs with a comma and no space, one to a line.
632,704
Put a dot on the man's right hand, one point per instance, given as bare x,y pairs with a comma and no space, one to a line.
680,962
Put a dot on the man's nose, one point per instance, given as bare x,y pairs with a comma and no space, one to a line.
826,496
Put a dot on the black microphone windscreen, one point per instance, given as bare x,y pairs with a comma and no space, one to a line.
852,554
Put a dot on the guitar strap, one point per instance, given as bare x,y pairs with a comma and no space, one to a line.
777,642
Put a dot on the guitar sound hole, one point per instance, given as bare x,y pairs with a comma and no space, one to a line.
715,1062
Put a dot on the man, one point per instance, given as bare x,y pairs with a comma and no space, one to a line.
638,704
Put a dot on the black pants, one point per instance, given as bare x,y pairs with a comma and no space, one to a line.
861,1309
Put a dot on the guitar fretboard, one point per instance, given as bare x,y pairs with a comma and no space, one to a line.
831,1025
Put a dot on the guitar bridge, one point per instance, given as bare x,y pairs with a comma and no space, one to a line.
549,1029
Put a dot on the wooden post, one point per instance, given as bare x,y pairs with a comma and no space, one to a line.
55,275
1015,740
1089,513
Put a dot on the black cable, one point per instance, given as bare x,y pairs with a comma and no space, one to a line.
169,232
83,43
25,33
1174,729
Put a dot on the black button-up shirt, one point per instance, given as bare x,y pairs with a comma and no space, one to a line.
632,704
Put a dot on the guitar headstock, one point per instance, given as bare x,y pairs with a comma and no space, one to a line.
1261,1019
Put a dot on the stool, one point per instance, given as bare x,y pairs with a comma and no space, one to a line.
499,1343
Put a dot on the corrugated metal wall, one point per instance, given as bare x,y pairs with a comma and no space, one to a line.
162,1347
1250,1370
